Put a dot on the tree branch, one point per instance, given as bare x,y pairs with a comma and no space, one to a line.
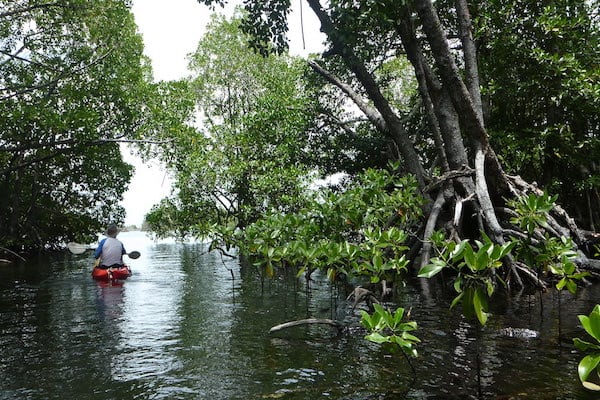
372,114
67,150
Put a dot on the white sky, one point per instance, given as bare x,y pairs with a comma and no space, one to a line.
171,30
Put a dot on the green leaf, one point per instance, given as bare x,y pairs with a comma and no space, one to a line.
300,272
580,275
571,286
401,341
367,320
456,300
480,306
386,319
584,346
482,261
410,337
398,314
470,258
331,274
489,287
269,270
377,337
591,324
407,326
467,303
458,284
457,251
432,269
587,365
591,386
377,261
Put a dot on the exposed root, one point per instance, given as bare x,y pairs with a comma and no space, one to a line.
525,270
588,264
430,227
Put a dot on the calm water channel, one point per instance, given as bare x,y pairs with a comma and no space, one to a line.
188,325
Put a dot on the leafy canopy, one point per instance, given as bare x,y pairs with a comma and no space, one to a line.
251,154
73,83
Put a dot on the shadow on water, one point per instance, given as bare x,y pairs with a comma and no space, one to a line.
192,325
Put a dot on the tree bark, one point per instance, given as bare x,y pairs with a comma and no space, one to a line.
469,56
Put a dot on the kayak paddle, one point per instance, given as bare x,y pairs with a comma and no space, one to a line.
78,248
134,254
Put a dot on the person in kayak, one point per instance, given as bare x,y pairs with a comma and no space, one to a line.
110,250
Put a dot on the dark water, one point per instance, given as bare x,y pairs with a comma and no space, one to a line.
189,325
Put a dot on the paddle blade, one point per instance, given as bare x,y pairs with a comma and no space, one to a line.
77,248
134,254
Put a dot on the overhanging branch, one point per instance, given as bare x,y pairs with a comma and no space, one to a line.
72,149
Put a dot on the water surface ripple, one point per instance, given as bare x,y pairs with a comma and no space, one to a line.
192,325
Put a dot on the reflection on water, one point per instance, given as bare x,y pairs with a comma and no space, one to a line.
191,325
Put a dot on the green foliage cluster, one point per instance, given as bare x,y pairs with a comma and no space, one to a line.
346,233
554,255
251,155
341,233
389,329
475,271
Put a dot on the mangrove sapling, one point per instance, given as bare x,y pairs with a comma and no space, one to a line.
389,330
545,254
561,264
476,276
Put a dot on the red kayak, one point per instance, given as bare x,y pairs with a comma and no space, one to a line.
111,274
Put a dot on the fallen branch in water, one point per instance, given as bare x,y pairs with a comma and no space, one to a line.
307,321
13,253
